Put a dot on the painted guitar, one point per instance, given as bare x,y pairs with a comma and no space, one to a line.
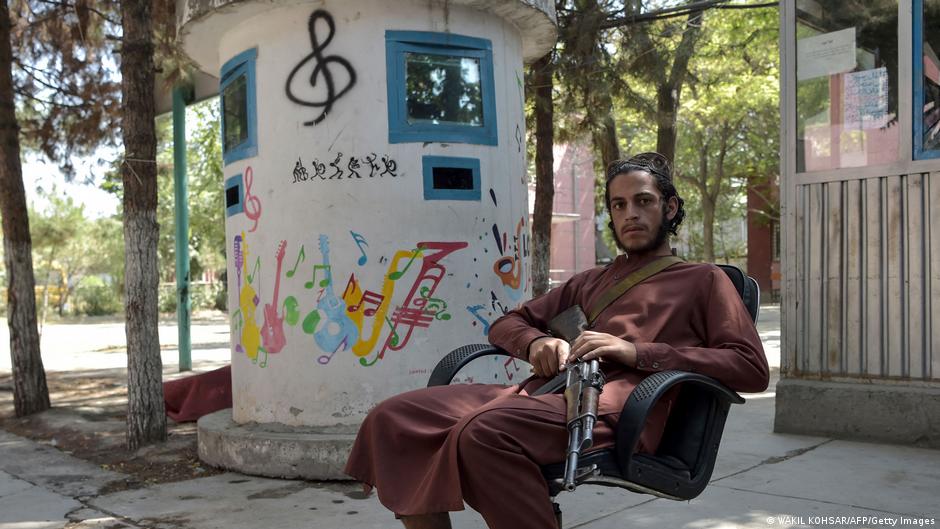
339,331
272,332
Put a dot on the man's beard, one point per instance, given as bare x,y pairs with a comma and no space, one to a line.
661,235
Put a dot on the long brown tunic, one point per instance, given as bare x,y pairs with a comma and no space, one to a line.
429,450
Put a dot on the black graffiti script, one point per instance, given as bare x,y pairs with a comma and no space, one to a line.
321,68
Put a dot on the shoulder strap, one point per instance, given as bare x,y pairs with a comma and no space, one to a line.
632,279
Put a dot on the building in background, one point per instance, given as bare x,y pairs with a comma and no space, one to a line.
763,238
573,231
860,198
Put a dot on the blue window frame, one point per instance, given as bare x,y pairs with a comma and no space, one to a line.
237,101
440,88
926,86
451,178
234,196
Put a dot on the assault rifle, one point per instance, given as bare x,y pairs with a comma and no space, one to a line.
583,386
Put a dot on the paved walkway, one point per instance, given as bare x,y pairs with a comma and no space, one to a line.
762,480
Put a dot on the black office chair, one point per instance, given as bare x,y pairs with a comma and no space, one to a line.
683,463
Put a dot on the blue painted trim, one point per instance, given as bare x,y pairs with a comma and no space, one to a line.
918,72
397,43
430,193
447,40
237,66
235,182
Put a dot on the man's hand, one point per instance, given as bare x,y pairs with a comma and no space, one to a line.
547,355
590,345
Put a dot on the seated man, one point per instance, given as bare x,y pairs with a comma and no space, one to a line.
428,451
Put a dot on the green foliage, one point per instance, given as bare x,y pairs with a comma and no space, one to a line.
67,90
67,246
202,295
96,297
729,125
205,183
205,192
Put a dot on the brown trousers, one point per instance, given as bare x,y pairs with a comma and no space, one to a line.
431,450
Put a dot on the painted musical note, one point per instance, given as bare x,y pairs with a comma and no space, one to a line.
433,306
371,298
396,275
394,336
351,287
474,309
300,258
323,282
325,359
360,241
252,203
321,68
254,270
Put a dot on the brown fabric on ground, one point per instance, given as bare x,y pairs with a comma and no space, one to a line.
431,449
188,399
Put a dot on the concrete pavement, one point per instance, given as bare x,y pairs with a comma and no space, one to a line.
762,480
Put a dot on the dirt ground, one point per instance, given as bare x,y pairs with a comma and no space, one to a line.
87,420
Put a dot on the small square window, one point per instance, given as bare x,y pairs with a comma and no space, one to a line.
451,178
440,88
239,118
233,196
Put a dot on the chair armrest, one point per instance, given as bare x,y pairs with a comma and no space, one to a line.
647,393
448,367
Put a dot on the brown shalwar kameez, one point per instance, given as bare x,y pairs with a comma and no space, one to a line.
429,450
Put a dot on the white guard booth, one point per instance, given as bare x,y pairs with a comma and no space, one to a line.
376,206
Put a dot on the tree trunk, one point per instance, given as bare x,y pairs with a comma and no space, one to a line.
30,393
146,417
605,139
668,93
708,229
667,109
544,174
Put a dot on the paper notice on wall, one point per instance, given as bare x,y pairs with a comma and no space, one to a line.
865,99
825,54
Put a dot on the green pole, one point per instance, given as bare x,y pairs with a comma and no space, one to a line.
180,194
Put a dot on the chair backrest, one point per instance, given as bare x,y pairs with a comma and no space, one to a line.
747,288
685,458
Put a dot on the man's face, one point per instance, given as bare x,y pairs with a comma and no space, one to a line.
637,212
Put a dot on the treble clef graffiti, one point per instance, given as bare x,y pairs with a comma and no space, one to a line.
321,68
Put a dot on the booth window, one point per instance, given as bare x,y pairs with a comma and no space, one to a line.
451,178
440,88
234,194
846,84
239,117
926,79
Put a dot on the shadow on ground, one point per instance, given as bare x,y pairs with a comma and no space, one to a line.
87,420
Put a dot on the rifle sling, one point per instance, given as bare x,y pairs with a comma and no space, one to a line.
634,278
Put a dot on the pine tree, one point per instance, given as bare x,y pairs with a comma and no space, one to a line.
146,417
30,393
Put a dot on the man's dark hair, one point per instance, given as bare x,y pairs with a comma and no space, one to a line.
660,169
